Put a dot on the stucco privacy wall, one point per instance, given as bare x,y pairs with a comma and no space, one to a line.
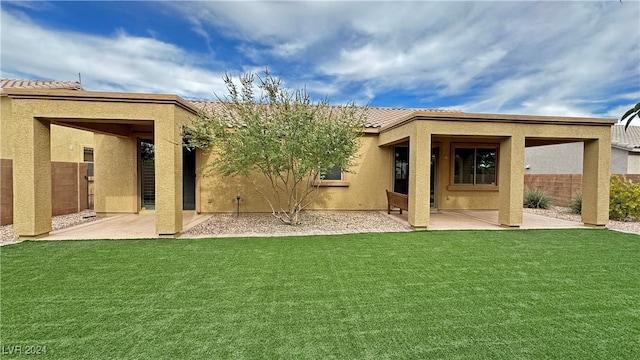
513,132
361,189
119,115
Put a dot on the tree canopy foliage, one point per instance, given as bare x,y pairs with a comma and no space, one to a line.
630,114
280,134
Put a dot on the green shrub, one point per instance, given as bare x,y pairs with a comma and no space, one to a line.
624,199
536,199
576,204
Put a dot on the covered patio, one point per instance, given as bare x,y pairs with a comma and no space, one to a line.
463,144
119,121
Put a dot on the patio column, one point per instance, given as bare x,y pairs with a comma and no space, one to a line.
595,182
511,181
31,175
419,176
168,168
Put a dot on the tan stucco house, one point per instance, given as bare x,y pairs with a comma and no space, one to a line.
440,159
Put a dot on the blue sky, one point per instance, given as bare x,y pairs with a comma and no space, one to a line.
573,58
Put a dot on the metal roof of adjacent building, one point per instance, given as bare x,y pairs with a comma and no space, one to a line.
39,84
626,139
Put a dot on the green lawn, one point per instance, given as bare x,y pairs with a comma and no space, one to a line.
454,294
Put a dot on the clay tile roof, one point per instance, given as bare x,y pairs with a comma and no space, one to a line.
626,139
39,84
377,117
206,106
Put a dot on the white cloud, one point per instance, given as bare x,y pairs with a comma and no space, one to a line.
114,63
561,58
501,56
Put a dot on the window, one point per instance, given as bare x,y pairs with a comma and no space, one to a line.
335,173
88,158
475,165
88,154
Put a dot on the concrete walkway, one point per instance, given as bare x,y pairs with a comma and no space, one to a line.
143,226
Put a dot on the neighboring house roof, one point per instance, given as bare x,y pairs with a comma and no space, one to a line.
628,139
39,84
377,117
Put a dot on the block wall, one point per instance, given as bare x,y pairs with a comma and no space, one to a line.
68,189
6,191
561,187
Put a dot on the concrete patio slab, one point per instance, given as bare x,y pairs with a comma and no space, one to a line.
488,219
143,226
130,226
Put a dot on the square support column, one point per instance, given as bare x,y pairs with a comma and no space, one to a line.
419,177
168,168
595,182
511,181
31,177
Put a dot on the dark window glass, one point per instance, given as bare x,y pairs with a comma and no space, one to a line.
401,169
88,155
485,166
335,173
464,163
475,166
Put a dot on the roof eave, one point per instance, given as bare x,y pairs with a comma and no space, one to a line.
500,118
59,94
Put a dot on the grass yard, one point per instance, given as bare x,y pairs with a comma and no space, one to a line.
562,294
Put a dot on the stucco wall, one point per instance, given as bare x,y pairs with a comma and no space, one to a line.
554,159
619,161
365,190
67,144
634,164
115,172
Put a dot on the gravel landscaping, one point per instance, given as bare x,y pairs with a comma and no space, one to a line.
57,222
312,223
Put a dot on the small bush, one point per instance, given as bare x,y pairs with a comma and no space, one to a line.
536,199
576,204
624,199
